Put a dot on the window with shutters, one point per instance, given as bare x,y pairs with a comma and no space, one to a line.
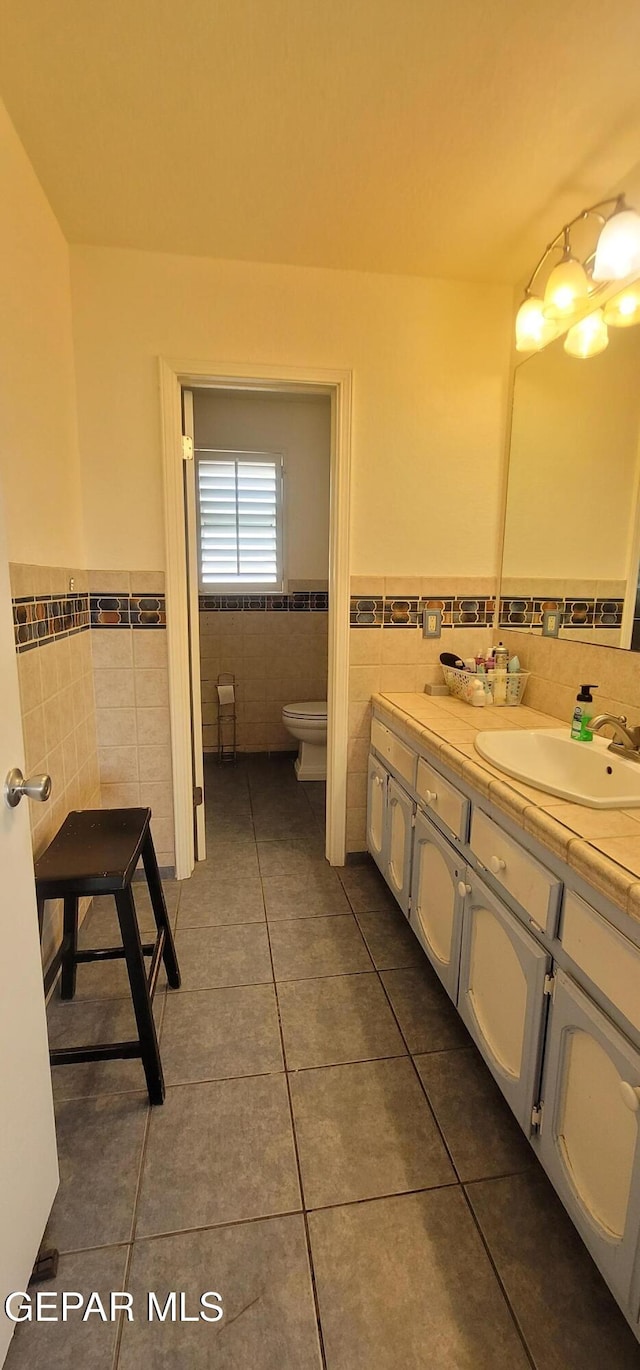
240,521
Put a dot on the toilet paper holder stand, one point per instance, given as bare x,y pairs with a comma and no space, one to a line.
227,717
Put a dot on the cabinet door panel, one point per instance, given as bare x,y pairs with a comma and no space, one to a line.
376,811
398,843
436,904
501,996
589,1137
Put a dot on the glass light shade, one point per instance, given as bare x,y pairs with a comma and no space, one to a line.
567,288
588,337
533,331
618,250
623,311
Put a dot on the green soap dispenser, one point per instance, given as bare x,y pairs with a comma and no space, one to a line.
582,715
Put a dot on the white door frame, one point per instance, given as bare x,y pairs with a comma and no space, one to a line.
338,384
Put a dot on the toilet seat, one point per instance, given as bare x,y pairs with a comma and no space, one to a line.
315,710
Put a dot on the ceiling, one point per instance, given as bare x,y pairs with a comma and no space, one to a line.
412,136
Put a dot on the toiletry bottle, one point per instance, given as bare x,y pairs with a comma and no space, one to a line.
501,656
501,661
513,680
582,713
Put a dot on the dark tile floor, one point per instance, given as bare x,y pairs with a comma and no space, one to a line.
333,1157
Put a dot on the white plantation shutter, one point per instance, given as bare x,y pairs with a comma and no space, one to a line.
240,520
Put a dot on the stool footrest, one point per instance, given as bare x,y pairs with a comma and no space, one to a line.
111,953
109,1051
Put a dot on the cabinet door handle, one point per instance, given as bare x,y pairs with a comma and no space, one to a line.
463,889
496,864
430,796
630,1095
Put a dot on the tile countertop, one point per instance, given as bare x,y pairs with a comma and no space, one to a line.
601,845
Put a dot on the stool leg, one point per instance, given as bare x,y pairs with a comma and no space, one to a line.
160,914
142,1005
69,947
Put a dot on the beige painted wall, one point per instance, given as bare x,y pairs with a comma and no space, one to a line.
39,452
430,362
299,428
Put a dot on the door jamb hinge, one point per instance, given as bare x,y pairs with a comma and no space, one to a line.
197,796
549,985
187,448
413,820
536,1116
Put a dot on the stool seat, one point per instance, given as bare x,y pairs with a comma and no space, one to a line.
96,851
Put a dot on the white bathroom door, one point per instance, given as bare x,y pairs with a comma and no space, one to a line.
193,584
28,1159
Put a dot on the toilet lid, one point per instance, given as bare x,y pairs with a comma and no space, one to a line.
307,708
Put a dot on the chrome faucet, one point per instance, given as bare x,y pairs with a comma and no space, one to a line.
626,741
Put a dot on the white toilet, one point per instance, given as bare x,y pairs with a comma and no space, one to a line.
307,722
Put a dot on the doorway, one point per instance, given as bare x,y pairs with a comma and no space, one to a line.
257,529
336,385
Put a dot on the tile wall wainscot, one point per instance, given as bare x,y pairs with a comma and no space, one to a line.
276,647
55,671
388,652
558,668
131,681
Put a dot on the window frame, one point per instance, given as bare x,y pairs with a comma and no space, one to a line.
255,458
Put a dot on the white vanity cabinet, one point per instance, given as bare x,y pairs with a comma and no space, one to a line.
390,829
504,973
399,823
437,897
377,780
589,1137
547,984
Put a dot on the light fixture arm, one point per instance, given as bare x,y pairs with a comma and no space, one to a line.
563,239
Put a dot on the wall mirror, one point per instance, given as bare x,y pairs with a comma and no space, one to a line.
572,524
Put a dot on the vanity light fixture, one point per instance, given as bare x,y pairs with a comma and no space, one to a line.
587,337
623,310
571,281
533,329
567,287
618,251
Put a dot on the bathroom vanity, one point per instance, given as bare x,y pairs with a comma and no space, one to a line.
535,936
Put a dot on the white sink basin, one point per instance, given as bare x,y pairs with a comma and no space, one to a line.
548,759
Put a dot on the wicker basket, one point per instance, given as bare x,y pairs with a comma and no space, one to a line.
461,683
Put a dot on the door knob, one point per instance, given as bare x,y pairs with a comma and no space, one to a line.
37,787
430,796
630,1095
463,889
496,864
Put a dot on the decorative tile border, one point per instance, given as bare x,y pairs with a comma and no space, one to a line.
127,611
366,612
39,619
576,613
298,602
394,612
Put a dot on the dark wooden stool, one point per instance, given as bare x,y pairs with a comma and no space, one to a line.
96,852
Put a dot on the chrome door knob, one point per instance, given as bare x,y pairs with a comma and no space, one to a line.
37,787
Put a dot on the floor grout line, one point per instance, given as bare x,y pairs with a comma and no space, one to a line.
461,1183
294,1134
